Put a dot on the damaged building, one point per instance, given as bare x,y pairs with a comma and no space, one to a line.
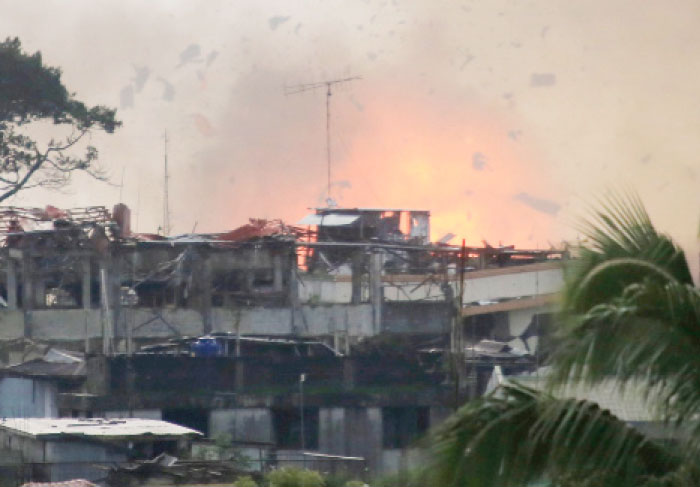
333,336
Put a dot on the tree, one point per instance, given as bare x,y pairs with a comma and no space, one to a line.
630,314
33,100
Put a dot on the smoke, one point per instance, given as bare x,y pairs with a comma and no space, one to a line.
502,118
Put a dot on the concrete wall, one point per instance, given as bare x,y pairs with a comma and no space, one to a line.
71,459
419,317
11,324
355,432
505,282
64,324
136,413
27,398
74,324
243,424
513,284
31,449
321,315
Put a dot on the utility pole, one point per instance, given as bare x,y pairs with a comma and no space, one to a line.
302,379
328,84
166,202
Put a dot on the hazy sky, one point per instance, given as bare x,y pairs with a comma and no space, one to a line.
502,117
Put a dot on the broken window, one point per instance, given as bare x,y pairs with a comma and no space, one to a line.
401,426
287,426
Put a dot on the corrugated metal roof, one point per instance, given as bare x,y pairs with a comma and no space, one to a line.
332,220
67,483
130,428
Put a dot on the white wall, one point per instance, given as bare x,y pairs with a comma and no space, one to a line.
22,397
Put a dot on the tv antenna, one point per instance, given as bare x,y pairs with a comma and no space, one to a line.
328,84
166,203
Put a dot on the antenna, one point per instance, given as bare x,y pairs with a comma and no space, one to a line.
166,203
328,84
121,186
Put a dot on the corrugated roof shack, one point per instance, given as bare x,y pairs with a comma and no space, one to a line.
67,448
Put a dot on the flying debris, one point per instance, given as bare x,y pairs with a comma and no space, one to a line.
141,76
203,125
478,161
189,55
542,205
543,79
515,134
126,97
276,21
168,89
212,57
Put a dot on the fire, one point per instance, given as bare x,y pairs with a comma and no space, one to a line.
465,164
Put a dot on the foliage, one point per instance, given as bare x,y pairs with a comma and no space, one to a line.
245,481
630,314
32,93
294,477
355,483
405,478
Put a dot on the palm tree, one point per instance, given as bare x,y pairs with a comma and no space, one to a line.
630,313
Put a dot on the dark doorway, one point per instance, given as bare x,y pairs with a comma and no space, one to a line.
287,426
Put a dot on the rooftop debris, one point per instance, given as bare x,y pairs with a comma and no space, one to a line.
259,228
168,470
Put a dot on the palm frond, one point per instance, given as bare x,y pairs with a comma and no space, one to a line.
624,248
521,435
631,311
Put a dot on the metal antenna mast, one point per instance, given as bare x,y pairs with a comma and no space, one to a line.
166,203
292,90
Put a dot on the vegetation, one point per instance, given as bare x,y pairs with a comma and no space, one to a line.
245,481
630,314
294,477
33,101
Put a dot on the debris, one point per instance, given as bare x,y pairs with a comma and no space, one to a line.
478,161
277,20
189,54
543,79
142,74
126,97
538,204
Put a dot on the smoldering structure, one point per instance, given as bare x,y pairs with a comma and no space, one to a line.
333,343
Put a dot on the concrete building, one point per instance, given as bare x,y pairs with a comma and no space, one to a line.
365,283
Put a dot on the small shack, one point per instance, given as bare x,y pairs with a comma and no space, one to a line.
57,449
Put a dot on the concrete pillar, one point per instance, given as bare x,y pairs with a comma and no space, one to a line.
331,431
249,280
348,374
240,375
206,286
293,293
375,288
105,304
356,265
39,287
27,293
11,283
277,273
87,283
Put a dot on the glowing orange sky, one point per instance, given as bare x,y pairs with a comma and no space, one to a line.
411,153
